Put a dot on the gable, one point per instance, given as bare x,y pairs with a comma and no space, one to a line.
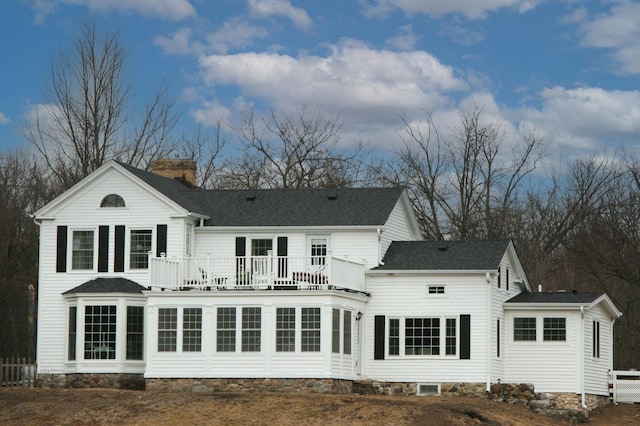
85,197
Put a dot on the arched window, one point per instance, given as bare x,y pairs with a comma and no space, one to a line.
112,200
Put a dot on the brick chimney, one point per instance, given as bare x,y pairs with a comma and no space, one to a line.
184,170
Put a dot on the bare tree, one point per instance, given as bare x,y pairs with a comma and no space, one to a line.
86,118
23,188
466,185
206,150
299,151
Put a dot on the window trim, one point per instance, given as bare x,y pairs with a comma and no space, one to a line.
522,337
94,252
286,329
311,337
170,346
112,198
400,338
129,247
549,331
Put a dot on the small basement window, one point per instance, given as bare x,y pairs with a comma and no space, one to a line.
436,289
428,389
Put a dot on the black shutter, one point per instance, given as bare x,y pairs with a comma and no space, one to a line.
161,240
61,249
119,249
465,336
378,352
103,249
282,259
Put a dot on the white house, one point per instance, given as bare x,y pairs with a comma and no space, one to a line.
147,276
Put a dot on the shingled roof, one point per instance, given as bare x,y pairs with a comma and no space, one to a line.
279,207
107,285
444,255
562,297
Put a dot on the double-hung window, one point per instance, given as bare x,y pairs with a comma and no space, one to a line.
251,329
135,332
192,330
554,329
226,330
82,252
167,329
285,329
524,329
310,330
140,246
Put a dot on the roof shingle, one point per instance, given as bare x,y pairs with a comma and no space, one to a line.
444,255
279,207
107,285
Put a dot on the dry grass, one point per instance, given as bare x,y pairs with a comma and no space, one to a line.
22,406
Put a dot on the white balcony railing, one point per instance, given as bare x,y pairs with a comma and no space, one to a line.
256,272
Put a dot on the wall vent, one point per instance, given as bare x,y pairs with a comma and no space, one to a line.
428,389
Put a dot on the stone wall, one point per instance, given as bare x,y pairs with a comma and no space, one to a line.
251,385
109,381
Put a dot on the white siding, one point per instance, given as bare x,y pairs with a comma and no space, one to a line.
82,210
498,297
401,296
267,362
396,228
596,372
552,366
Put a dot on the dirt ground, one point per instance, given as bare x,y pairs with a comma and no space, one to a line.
24,406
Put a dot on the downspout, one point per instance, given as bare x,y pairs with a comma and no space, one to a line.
613,321
380,262
583,397
488,277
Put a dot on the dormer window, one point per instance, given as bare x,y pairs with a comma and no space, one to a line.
112,200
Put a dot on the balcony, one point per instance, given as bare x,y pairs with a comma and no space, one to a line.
256,273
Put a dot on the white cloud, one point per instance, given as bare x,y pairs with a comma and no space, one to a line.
235,33
210,113
268,8
587,118
368,88
4,119
352,77
472,9
405,40
618,31
174,10
179,43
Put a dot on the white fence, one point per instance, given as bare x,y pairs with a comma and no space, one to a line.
626,386
17,372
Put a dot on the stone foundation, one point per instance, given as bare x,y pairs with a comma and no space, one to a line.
251,385
108,381
561,406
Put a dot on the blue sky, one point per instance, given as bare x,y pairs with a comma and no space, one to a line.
568,69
